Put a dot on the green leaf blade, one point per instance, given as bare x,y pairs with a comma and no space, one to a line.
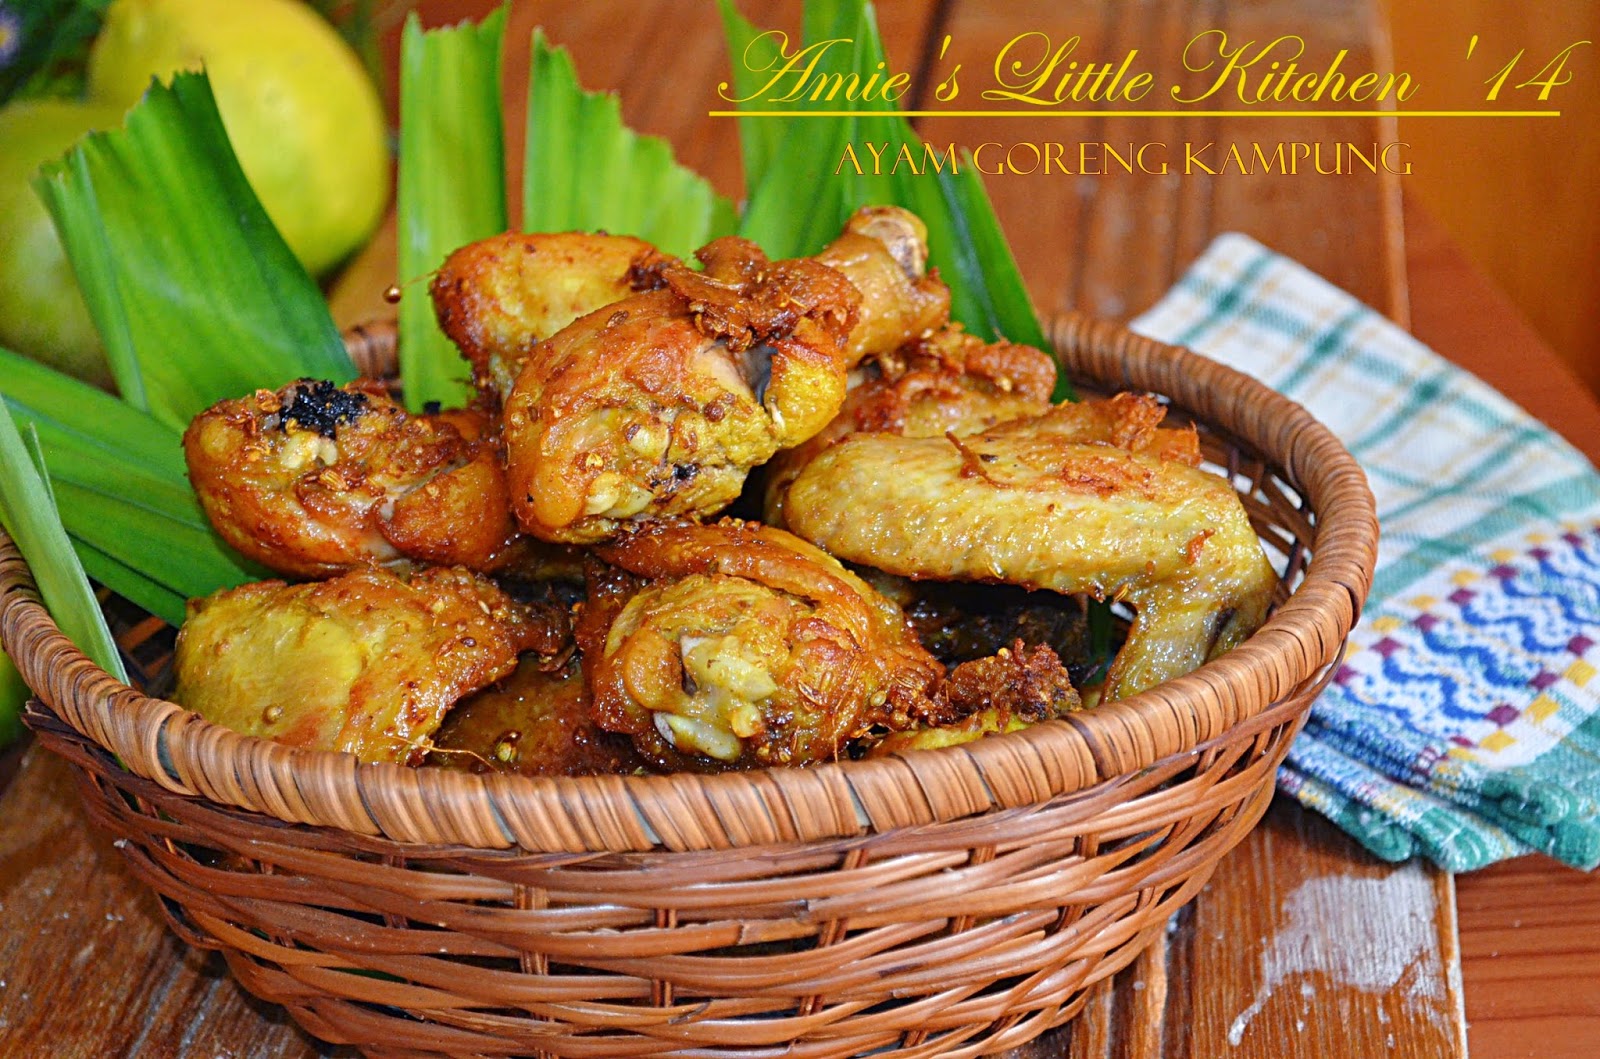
189,560
586,170
28,511
67,412
131,584
125,498
452,183
196,295
750,52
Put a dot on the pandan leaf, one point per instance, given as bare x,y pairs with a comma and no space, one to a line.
13,693
28,511
132,585
195,294
125,499
585,169
187,559
452,184
59,406
751,52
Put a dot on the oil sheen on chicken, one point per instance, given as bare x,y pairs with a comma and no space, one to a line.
314,479
1088,498
737,645
660,404
367,662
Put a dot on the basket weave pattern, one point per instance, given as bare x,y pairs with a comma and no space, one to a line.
956,902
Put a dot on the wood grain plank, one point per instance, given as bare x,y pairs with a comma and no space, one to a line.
88,968
1527,216
1461,315
1111,244
1336,953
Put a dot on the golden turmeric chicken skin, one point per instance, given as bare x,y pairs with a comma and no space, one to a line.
533,723
499,297
660,404
883,252
367,662
947,381
315,478
738,645
1092,497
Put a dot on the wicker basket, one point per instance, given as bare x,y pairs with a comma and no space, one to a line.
957,902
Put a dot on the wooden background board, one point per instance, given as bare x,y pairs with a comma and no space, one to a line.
1528,217
1242,963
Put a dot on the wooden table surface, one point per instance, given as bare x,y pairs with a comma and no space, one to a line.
1274,958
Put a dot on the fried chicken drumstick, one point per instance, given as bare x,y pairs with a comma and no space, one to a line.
659,405
740,645
499,297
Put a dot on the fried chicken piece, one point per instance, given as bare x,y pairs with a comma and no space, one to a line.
366,663
883,251
738,645
499,297
534,723
1013,688
660,404
947,382
314,479
1090,498
1029,682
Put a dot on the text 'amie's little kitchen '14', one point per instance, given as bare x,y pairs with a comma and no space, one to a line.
1032,71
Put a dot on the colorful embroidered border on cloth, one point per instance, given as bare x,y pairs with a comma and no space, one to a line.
1465,722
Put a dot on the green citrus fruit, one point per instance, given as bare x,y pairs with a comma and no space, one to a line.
41,312
301,112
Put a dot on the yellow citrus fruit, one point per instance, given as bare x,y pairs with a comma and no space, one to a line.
304,118
41,312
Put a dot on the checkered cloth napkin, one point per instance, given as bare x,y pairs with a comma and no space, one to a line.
1464,723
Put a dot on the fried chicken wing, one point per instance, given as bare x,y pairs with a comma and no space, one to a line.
534,723
314,479
740,645
499,297
1089,498
367,662
660,404
949,381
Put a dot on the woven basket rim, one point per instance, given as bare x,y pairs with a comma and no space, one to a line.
167,744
